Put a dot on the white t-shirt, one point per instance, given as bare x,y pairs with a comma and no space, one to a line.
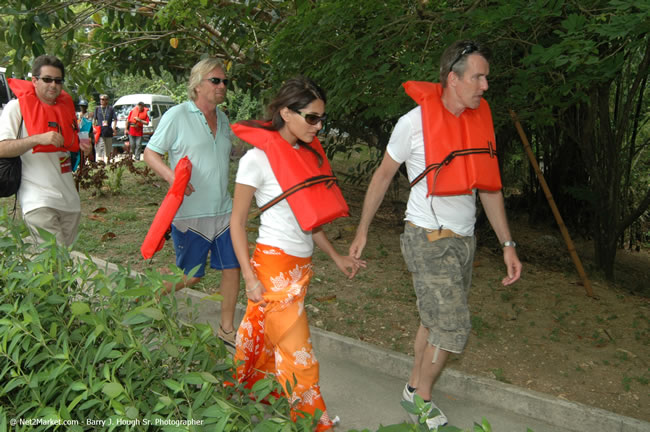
42,184
279,227
456,212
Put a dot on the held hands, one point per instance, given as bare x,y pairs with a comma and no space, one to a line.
349,265
356,248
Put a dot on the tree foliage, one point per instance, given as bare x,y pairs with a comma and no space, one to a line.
575,72
579,80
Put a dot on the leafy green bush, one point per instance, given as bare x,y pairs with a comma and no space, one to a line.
77,349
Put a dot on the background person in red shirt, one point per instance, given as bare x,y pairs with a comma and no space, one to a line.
138,117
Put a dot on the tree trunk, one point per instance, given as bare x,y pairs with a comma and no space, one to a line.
605,250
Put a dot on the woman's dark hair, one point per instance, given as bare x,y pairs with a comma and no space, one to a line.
295,94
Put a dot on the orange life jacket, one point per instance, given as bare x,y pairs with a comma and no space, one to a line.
311,190
161,225
460,152
135,127
40,117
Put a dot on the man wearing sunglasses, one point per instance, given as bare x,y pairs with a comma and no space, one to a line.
40,127
438,242
199,130
106,118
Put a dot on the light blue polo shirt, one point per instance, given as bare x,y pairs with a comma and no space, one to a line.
183,131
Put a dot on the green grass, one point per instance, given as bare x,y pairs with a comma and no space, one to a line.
479,326
499,375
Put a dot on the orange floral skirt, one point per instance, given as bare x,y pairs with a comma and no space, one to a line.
275,339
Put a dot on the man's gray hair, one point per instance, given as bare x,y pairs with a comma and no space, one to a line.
454,58
199,71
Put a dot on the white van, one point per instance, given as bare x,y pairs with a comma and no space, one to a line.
157,105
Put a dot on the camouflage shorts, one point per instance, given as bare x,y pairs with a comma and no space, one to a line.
442,276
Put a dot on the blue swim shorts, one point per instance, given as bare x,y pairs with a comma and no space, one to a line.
192,249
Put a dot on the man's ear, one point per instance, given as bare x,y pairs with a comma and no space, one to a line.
452,78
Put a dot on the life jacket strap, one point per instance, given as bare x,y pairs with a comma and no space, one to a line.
329,181
490,150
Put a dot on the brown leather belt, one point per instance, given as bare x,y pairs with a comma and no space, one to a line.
437,234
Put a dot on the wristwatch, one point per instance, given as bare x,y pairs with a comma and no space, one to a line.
510,243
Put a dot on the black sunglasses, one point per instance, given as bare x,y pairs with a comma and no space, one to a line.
467,49
48,80
217,81
312,119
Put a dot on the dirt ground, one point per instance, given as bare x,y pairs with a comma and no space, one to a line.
542,333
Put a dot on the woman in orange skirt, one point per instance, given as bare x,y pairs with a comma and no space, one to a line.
273,338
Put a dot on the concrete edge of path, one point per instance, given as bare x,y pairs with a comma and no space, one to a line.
552,410
529,403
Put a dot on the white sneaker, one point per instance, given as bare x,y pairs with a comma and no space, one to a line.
432,423
408,397
437,421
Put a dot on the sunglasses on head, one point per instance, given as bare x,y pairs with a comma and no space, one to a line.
217,81
467,49
48,80
312,119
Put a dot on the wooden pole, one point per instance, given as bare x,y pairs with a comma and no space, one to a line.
551,202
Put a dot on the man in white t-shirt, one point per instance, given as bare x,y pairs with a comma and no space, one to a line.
47,194
440,259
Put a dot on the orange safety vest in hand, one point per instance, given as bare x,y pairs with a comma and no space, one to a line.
311,190
460,152
40,117
161,225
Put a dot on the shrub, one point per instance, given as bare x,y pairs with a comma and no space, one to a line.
76,347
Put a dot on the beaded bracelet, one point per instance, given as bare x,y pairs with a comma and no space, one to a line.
254,288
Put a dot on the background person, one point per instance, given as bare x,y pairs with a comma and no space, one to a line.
85,125
138,117
47,193
438,243
199,130
274,335
105,117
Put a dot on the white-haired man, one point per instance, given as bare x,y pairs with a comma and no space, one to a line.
200,130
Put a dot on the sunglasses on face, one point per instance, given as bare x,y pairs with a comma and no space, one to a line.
48,80
217,81
467,50
311,119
